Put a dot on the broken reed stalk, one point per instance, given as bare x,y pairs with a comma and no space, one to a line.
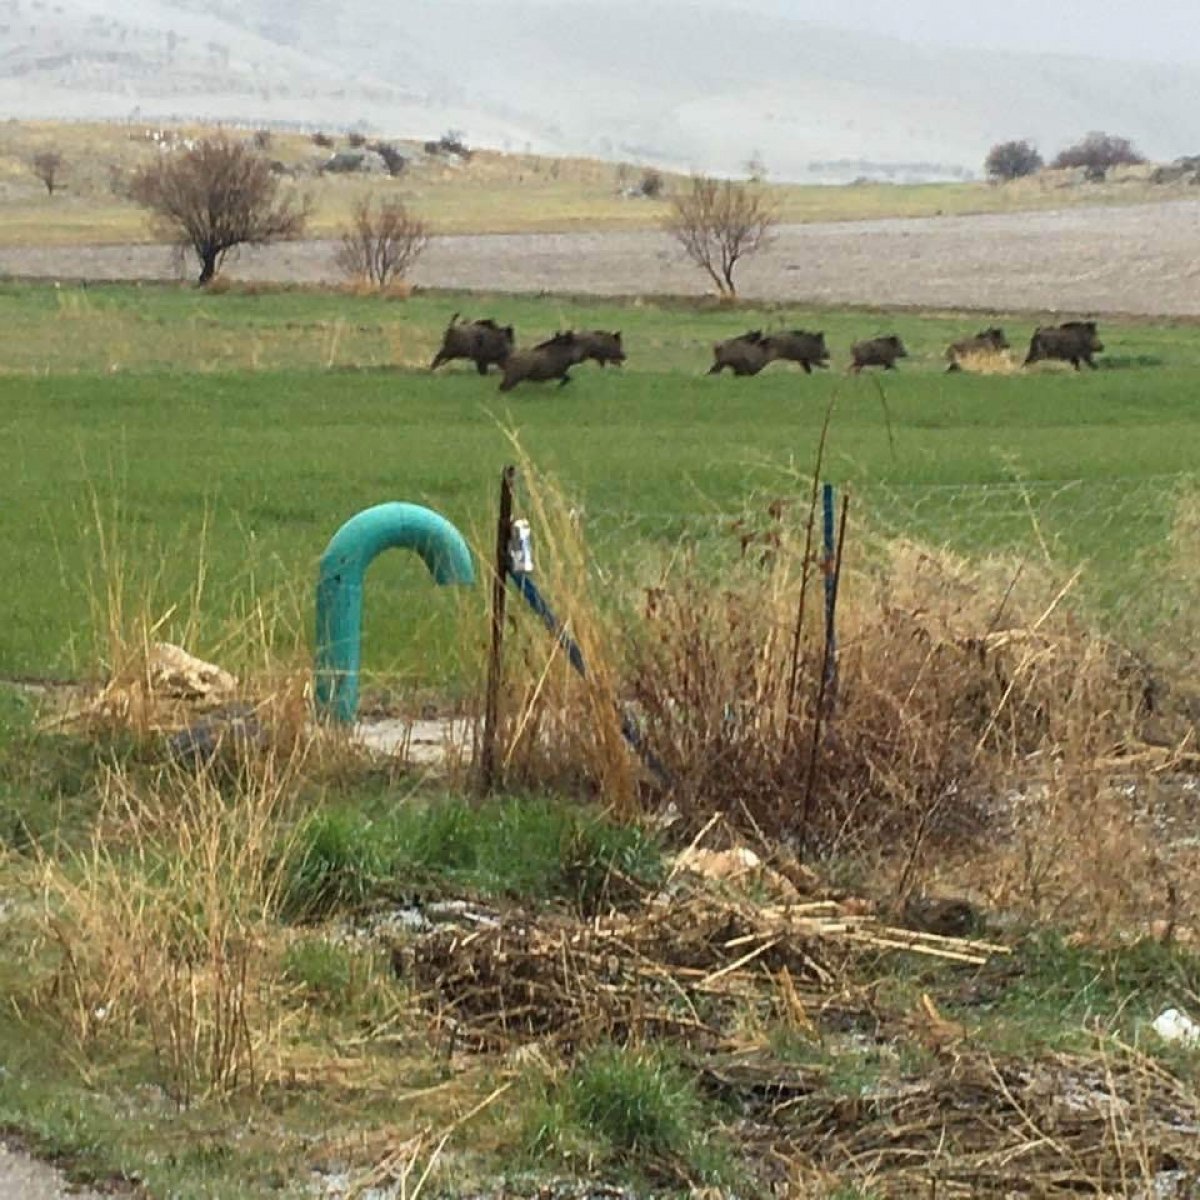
823,683
805,572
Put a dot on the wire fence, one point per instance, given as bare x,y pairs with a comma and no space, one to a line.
1132,545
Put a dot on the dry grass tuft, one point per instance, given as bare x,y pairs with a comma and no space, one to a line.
989,362
162,925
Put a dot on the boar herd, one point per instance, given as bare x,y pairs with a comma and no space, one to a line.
487,344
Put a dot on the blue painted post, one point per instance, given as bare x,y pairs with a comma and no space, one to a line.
829,566
340,589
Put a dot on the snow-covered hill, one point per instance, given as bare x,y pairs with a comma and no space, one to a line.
701,89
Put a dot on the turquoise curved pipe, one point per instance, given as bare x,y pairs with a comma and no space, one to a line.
340,589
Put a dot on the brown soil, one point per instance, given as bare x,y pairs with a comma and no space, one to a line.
1142,259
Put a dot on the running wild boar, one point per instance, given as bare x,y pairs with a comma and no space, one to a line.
877,352
601,346
484,342
551,359
1073,342
745,354
796,345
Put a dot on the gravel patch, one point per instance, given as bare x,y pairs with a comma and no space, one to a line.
24,1178
1140,259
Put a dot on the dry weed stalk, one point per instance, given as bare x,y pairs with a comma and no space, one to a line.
162,923
562,726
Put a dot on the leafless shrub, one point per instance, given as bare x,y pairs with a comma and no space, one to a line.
47,165
262,139
651,185
356,139
217,195
1097,153
323,140
1012,160
383,244
718,223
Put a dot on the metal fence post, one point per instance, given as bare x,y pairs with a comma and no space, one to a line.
491,714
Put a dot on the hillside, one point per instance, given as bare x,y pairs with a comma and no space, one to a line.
647,81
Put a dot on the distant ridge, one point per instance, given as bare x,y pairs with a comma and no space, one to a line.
645,81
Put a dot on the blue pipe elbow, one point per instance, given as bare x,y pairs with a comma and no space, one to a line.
340,589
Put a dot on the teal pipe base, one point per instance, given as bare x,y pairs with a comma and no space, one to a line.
340,589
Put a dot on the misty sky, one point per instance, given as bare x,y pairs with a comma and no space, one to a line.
1155,30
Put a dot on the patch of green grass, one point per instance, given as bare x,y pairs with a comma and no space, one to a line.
632,1107
1051,994
47,779
339,860
323,970
111,1126
1061,996
522,848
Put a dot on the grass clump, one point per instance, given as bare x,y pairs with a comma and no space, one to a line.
48,781
518,848
633,1108
338,861
323,971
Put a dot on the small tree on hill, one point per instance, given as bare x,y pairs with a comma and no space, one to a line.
1098,152
47,164
217,195
652,184
1012,160
381,246
718,223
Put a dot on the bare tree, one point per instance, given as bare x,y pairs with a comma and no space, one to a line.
1012,160
46,166
217,195
718,223
381,246
1097,153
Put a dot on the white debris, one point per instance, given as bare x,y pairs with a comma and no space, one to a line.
1174,1026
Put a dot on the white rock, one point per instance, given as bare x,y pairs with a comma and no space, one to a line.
1174,1026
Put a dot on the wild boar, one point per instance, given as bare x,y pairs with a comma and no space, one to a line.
601,346
484,342
877,352
745,354
1072,341
986,341
551,359
795,345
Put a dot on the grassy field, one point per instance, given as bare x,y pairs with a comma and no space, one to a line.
495,193
231,435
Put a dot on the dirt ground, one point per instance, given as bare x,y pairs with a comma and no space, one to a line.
21,1178
1139,259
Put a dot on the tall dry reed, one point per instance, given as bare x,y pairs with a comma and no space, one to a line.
162,923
